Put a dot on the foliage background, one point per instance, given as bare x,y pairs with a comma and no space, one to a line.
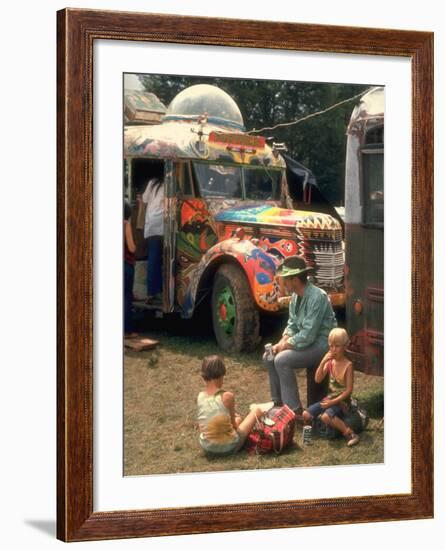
319,143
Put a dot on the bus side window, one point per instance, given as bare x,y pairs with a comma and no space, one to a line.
373,178
373,186
185,179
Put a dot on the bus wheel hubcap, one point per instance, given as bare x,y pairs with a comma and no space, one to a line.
226,311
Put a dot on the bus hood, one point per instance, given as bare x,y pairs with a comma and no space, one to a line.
266,214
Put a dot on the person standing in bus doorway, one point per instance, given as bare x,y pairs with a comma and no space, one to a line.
153,198
305,338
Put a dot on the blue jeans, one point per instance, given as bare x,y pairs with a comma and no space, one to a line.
316,409
282,379
128,296
154,265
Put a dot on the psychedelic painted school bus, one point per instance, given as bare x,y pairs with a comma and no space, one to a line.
229,221
364,219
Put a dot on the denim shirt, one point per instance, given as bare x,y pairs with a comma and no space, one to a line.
311,318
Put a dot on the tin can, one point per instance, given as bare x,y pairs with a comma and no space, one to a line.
307,435
268,350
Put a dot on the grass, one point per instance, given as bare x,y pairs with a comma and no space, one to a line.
160,390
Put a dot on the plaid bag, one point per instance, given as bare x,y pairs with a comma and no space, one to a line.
267,438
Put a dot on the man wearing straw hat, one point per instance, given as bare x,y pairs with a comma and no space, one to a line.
305,338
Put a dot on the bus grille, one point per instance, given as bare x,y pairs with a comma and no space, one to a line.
323,250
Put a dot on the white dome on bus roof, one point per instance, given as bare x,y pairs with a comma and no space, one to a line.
374,101
201,99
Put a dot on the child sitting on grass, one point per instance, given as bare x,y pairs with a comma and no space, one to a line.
333,407
222,431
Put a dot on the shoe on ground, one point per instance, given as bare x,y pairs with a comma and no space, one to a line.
352,439
265,407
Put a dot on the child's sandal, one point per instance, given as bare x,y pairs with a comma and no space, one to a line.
352,439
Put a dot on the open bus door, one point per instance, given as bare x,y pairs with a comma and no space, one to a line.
137,173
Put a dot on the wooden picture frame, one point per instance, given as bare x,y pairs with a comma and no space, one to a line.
77,31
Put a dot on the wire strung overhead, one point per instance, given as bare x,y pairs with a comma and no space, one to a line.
297,121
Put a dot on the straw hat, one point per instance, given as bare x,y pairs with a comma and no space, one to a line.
293,266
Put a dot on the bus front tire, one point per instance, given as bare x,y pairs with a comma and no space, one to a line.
236,320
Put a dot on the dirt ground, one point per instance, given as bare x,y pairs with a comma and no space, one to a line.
160,390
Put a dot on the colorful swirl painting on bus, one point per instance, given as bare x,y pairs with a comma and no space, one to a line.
181,140
203,236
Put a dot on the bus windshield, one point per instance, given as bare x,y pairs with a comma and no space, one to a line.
227,182
261,184
218,180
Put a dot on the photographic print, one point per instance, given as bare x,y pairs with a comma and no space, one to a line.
253,223
267,233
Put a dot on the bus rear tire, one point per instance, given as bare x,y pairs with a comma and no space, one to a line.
235,317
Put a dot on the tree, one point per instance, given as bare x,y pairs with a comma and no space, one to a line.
319,143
